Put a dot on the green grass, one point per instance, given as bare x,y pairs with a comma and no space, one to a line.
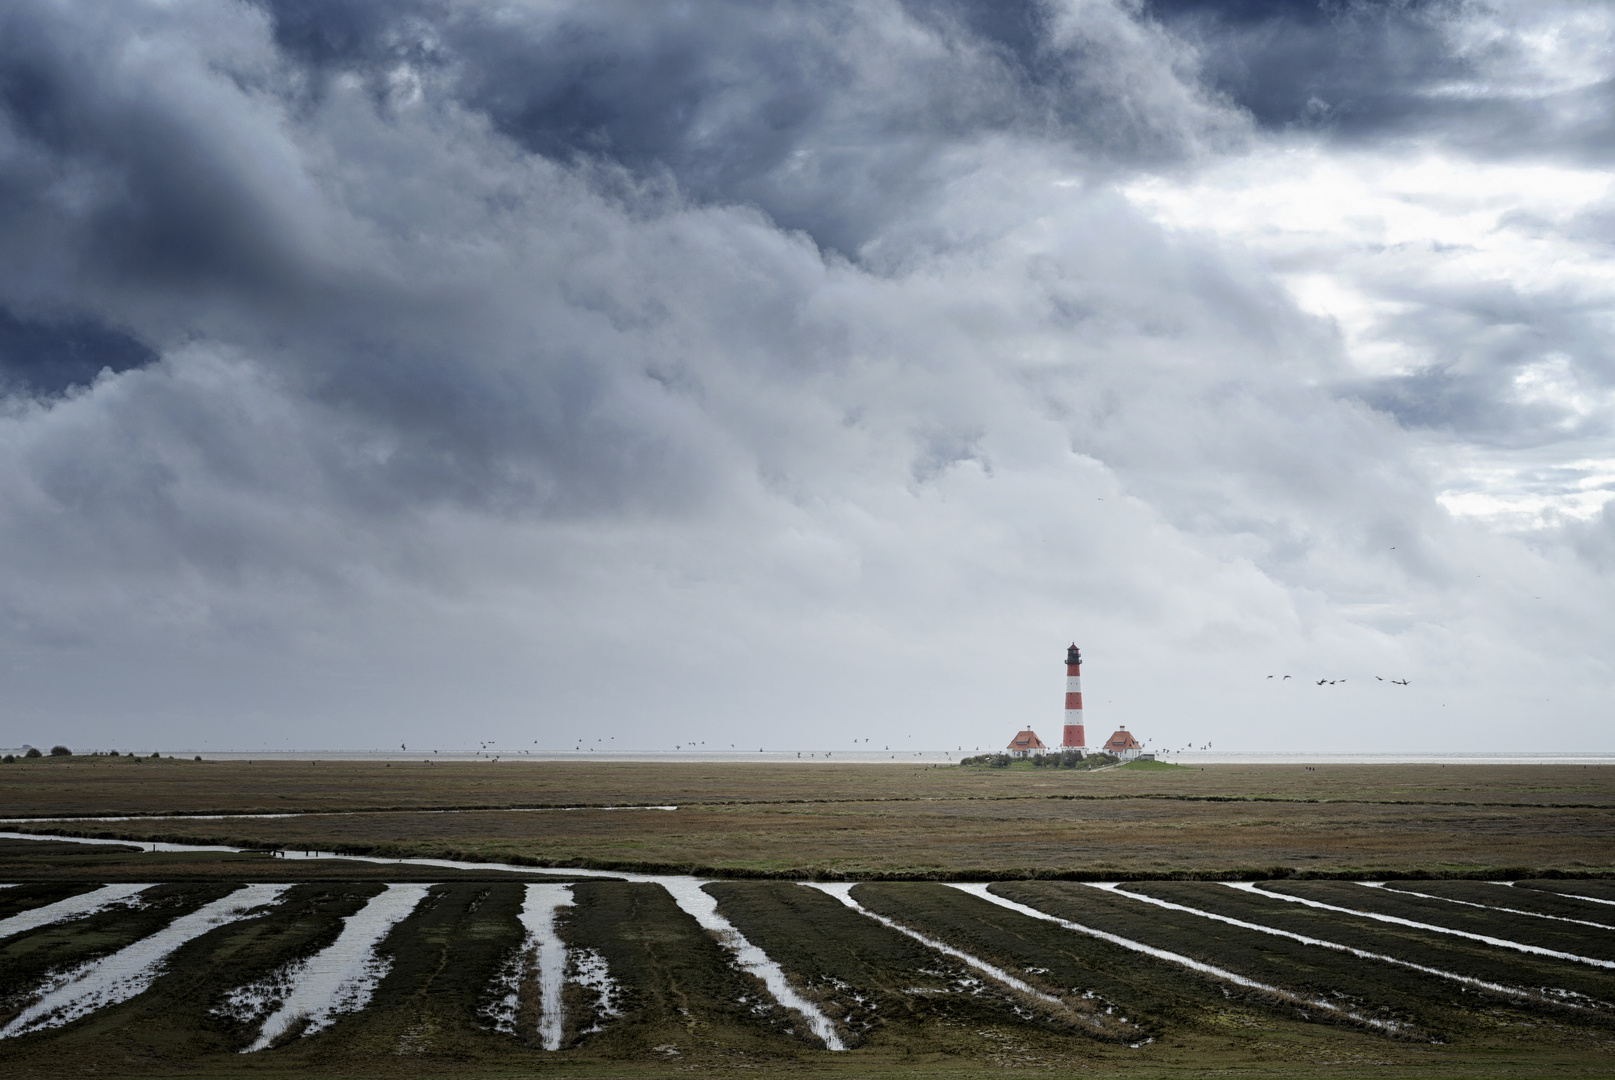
1152,766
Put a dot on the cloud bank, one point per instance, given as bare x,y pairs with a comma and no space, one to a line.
783,375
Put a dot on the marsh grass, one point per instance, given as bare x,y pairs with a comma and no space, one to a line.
1505,896
1443,952
1542,933
679,989
871,821
883,989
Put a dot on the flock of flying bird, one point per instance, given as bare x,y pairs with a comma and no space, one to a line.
1331,682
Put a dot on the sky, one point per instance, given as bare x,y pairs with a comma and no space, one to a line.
789,375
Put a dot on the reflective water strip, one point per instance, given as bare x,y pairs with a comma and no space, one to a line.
130,970
1361,954
1536,950
843,892
1483,907
320,981
703,907
543,900
1570,895
72,907
1163,954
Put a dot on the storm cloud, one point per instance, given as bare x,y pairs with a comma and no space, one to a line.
785,374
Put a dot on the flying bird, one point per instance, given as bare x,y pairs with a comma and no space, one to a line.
1322,681
1286,677
1377,677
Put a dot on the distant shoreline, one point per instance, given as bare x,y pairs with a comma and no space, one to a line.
883,757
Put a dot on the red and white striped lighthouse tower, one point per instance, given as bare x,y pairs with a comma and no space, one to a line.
1074,738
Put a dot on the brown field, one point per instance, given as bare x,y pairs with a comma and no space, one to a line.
868,820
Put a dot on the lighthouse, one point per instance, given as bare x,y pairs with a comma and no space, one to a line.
1074,739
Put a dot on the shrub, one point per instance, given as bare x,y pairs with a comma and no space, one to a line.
198,757
33,751
112,753
60,751
9,758
155,754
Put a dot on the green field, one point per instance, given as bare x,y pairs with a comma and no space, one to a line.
1145,990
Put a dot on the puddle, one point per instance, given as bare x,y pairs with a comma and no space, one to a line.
338,979
74,907
590,971
131,970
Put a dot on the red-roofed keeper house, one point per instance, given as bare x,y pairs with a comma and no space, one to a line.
1123,746
1026,744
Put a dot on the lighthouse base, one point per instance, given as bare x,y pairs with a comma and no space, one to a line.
1074,738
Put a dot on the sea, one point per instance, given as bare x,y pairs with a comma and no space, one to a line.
897,757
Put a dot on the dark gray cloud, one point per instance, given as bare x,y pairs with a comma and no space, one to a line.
834,118
49,357
1367,70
